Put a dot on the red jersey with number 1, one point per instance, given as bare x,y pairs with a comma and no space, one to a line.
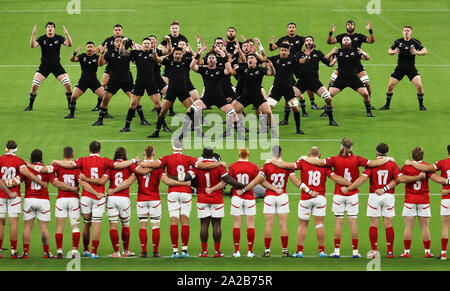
178,163
244,171
276,176
347,167
207,179
444,167
314,177
416,192
382,175
34,190
9,169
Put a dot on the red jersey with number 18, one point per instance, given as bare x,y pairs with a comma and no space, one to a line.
314,177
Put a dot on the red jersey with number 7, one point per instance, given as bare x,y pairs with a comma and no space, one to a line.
148,185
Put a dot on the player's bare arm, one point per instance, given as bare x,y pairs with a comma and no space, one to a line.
64,187
270,68
68,41
422,52
340,180
41,169
272,46
331,39
5,189
358,182
64,164
24,171
33,42
124,185
122,50
73,57
90,190
440,180
378,162
233,182
126,164
364,55
421,167
283,164
386,188
216,187
209,165
172,182
303,187
410,179
314,161
150,164
100,182
101,58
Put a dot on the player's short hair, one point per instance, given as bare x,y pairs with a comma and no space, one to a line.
10,144
208,152
90,42
276,151
408,26
152,35
252,55
417,153
218,38
314,151
350,21
36,156
146,38
148,151
68,152
382,149
178,49
285,45
95,147
244,153
346,147
448,149
231,27
120,154
292,23
217,157
117,25
50,23
174,23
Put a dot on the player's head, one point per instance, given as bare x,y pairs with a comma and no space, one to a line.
117,42
309,42
153,41
292,29
149,152
350,26
346,42
36,156
95,147
177,145
244,153
252,61
382,149
212,61
247,46
146,44
68,153
417,153
177,54
284,50
346,147
276,151
231,33
208,153
11,146
314,152
174,28
90,47
407,31
182,44
120,154
218,44
117,30
50,28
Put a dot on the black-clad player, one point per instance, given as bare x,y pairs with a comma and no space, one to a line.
348,59
231,41
406,48
88,80
50,44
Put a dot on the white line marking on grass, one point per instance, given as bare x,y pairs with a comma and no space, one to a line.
169,140
63,10
393,10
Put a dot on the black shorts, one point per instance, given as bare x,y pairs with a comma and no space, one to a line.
114,86
277,92
342,82
189,85
228,92
400,72
308,84
358,70
216,99
174,92
84,84
142,86
56,69
256,100
160,84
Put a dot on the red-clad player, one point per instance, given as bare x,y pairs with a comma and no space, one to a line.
179,198
11,170
310,204
346,165
93,206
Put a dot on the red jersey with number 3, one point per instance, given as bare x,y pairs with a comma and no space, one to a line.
34,190
67,176
276,176
244,172
148,185
116,177
444,167
314,177
383,175
9,168
94,167
208,179
347,167
416,192
178,163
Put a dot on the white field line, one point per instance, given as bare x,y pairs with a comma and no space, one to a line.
62,10
393,10
169,140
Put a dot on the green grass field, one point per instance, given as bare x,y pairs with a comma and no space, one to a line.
402,128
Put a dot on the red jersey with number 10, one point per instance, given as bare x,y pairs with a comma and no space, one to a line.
34,190
244,171
347,167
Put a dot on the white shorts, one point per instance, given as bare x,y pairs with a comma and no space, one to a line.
118,206
341,204
381,205
67,207
94,206
276,204
179,201
36,208
150,208
213,210
316,206
10,206
445,207
241,206
422,210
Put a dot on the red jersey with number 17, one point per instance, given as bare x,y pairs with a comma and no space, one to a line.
444,167
178,163
244,171
9,169
275,176
416,192
314,177
382,175
347,167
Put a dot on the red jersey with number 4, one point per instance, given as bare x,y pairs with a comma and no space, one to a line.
444,167
9,168
94,167
148,185
416,192
244,172
178,163
34,190
67,176
208,179
347,167
314,177
381,176
116,177
276,176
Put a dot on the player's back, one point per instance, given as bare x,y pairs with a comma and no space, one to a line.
314,177
346,166
148,185
116,177
444,167
34,190
9,168
176,164
243,172
382,176
207,179
67,176
276,176
418,191
94,167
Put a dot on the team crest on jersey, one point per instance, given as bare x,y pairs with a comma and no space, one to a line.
314,55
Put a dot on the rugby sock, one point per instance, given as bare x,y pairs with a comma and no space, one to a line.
390,239
312,100
45,248
299,248
185,236
13,245
355,244
407,244
337,243
250,238
284,241
140,112
297,119
159,123
32,98
217,246
287,111
329,111
444,242
267,241
59,240
174,237
303,105
126,237
72,107
420,98
75,240
236,238
103,112
143,239
95,244
204,247
26,248
99,101
426,245
388,98
373,235
68,97
367,104
114,235
155,239
321,249
129,118
171,110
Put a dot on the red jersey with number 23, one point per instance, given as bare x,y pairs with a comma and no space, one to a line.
275,176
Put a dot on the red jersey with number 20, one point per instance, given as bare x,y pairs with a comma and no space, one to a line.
9,169
347,167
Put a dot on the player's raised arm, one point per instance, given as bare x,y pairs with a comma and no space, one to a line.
272,46
331,39
260,47
124,185
33,42
371,38
101,58
270,68
198,56
73,57
122,50
68,41
364,55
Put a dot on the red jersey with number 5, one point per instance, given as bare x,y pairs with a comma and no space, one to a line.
9,169
276,176
207,179
444,167
347,167
116,177
381,176
314,177
148,185
416,192
67,176
34,190
178,163
244,171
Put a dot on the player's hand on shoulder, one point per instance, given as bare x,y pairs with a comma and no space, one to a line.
408,163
